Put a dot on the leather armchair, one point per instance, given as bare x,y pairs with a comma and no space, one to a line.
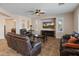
23,32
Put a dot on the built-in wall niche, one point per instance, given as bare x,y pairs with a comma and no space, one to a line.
48,23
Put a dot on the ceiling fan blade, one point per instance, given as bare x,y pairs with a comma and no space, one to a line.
36,12
30,11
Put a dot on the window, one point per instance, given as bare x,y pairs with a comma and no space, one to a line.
60,24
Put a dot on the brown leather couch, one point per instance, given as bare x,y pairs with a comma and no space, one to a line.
23,45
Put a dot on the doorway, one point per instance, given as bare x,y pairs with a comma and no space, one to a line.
9,24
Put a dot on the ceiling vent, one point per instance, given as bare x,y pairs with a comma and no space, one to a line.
60,4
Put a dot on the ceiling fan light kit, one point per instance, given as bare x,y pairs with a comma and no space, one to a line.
37,12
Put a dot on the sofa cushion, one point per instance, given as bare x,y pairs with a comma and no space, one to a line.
71,45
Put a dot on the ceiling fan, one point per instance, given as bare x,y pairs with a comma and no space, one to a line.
37,12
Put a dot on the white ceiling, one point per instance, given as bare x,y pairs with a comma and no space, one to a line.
49,8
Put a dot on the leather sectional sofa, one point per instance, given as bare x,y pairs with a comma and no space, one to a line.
67,51
23,45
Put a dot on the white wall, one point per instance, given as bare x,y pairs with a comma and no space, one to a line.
10,23
22,22
37,26
2,22
76,20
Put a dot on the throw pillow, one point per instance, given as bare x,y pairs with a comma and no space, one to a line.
72,40
66,36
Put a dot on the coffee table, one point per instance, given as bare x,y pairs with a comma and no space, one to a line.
42,37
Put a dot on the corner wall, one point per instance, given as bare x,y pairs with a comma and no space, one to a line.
76,20
68,24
